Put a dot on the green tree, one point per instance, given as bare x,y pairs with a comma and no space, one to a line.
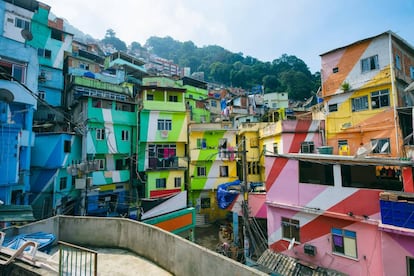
298,85
111,39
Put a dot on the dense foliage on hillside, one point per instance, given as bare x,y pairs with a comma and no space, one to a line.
284,74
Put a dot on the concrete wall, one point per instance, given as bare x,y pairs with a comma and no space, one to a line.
171,252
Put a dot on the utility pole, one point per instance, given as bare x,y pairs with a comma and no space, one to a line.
245,203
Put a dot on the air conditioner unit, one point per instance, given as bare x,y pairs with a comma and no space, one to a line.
309,249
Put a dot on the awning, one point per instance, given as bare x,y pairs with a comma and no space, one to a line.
11,213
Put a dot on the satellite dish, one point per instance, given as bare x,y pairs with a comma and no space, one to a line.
6,95
291,244
361,151
26,34
385,147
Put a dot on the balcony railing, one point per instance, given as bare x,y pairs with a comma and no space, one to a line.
166,163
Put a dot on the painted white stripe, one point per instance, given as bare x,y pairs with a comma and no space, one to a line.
109,131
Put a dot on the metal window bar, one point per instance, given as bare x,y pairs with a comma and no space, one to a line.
77,260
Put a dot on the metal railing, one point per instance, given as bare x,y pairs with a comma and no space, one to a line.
77,260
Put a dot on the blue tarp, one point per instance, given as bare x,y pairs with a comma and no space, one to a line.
224,196
45,240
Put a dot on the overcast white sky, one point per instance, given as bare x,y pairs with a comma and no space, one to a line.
264,29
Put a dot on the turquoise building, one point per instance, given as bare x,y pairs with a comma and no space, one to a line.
105,118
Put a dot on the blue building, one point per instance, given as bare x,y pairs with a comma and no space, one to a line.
19,70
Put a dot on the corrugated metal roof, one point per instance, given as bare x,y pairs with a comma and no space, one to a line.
280,264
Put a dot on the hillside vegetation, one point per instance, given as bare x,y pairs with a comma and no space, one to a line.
287,73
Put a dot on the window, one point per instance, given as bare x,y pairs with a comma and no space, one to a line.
100,134
173,98
412,72
290,229
333,107
381,145
63,183
223,153
67,146
213,103
342,143
101,164
224,171
160,183
360,103
201,171
22,24
84,66
275,148
17,71
344,242
307,147
164,124
41,95
125,135
253,168
315,173
397,62
370,63
380,99
177,182
150,97
201,143
44,53
335,70
57,34
97,103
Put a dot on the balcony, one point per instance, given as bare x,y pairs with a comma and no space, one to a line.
173,162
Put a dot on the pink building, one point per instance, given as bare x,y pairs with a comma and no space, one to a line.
336,210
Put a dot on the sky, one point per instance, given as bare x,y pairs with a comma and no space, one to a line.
263,29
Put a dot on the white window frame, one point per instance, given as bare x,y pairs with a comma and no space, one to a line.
359,104
290,229
224,171
381,98
164,124
101,164
348,239
100,134
41,95
21,23
201,171
369,64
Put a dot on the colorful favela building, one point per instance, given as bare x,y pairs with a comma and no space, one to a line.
19,68
351,211
213,161
104,114
162,144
